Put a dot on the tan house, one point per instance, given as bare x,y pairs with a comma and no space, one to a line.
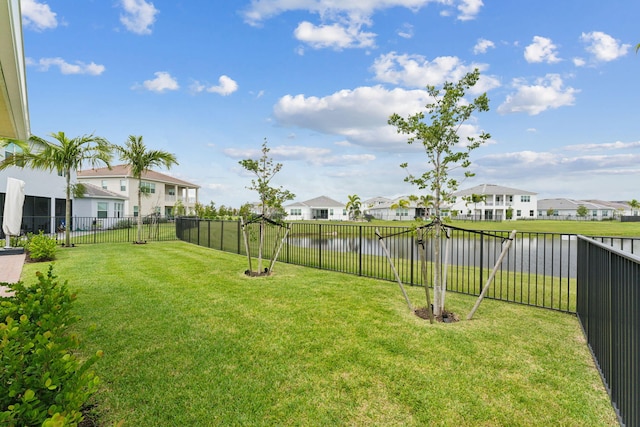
161,192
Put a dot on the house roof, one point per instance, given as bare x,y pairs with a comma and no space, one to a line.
490,189
94,192
569,204
375,201
124,171
318,202
610,204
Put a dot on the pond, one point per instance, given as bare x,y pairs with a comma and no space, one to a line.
541,254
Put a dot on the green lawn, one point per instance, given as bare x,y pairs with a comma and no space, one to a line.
189,340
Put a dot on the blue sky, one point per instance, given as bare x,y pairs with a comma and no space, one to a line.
209,80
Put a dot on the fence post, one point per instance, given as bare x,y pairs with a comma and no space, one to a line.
320,246
360,250
481,262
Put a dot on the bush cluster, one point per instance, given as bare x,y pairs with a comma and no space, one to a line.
40,247
42,380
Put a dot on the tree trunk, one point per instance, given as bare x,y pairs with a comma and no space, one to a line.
67,212
438,303
139,239
260,243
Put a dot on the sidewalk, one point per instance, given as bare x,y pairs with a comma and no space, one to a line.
10,270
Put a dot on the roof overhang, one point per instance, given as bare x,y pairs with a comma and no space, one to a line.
14,111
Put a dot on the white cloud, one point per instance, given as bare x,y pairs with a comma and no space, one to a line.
406,31
37,16
161,83
315,156
603,47
138,16
469,9
353,11
548,92
579,62
418,72
618,145
334,36
66,68
482,46
360,115
225,87
541,50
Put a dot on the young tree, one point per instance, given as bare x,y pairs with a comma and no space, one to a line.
271,198
582,211
441,142
353,206
140,159
65,155
634,204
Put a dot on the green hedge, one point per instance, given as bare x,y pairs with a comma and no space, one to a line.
42,380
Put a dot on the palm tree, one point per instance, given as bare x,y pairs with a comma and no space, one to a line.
400,204
634,204
426,202
475,199
140,160
353,206
67,155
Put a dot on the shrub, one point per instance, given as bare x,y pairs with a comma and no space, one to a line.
41,247
42,381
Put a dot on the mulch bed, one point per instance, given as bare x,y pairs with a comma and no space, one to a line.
445,317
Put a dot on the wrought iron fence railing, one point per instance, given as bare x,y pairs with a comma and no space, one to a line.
608,302
84,230
539,269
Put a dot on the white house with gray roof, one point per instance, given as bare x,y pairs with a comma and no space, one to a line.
496,201
568,209
322,207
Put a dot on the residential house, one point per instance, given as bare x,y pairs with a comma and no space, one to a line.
97,207
44,191
568,209
398,209
321,207
495,201
161,192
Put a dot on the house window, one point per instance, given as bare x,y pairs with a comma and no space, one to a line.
118,208
123,185
594,213
104,184
510,198
331,212
344,212
103,209
135,211
148,187
402,212
171,191
12,149
605,213
531,214
518,212
296,212
525,199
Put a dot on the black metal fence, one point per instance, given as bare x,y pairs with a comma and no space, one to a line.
84,230
608,306
539,269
